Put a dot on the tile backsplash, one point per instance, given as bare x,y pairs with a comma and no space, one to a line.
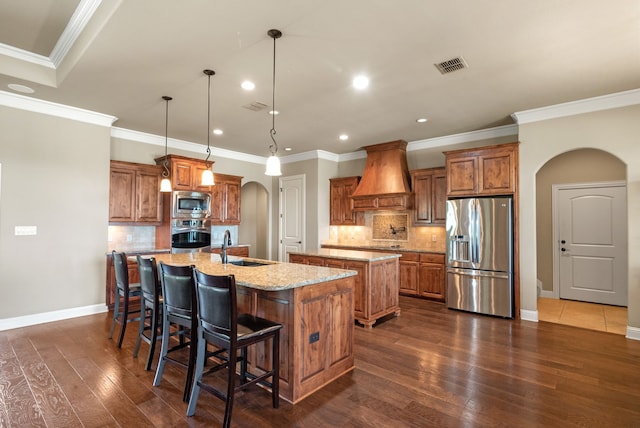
131,238
377,232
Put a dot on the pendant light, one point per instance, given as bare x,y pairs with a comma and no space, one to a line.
207,174
273,163
165,184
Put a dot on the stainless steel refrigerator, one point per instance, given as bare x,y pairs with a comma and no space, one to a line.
480,255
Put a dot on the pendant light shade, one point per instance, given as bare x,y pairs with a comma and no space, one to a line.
207,174
165,184
273,163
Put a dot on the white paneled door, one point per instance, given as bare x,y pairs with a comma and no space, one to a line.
292,215
591,242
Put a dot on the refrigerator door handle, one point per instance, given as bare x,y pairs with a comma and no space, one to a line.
479,273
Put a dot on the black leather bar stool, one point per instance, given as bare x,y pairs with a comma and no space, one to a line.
150,328
123,291
220,325
178,310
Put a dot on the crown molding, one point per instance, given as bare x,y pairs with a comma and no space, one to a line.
465,137
76,25
35,105
143,137
588,105
310,155
25,56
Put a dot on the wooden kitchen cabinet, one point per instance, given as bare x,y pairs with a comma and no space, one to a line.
232,251
186,173
375,292
225,199
134,193
483,171
409,268
432,276
340,203
430,192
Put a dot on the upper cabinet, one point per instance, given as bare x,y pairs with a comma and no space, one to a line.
186,173
491,170
430,192
340,203
134,193
225,199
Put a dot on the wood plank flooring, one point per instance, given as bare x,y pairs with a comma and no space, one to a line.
430,367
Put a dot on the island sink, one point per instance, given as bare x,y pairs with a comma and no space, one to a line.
247,263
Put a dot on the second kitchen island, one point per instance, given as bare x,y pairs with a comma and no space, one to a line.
314,305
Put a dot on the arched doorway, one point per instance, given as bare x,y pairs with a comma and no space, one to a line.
567,169
254,228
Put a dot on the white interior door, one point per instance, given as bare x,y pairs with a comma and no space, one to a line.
292,215
591,237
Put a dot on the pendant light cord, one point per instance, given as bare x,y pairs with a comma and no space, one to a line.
273,148
206,161
165,164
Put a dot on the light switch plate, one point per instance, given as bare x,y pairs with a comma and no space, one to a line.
25,230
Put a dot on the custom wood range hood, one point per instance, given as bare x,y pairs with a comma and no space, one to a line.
385,180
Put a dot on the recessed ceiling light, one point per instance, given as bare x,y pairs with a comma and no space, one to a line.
343,137
361,82
276,112
218,131
421,120
287,149
248,86
20,88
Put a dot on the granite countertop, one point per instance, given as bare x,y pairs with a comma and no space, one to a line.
367,256
385,248
273,276
141,251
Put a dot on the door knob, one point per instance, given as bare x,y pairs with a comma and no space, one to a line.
299,242
563,242
563,249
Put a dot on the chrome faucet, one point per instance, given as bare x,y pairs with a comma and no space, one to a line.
226,241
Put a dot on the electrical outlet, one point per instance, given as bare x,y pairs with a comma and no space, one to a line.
434,238
314,337
25,230
129,238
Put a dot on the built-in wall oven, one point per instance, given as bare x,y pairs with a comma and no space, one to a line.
190,235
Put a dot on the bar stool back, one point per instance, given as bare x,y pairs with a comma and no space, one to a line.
123,291
150,329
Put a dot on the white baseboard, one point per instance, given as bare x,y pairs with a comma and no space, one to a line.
527,315
633,333
27,320
547,294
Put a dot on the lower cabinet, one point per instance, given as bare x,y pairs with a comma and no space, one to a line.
431,282
233,251
375,292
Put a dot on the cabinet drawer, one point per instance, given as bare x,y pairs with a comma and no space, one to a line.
410,257
432,258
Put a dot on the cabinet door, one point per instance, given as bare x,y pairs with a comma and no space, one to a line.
408,277
336,196
340,203
462,176
232,206
334,263
431,281
217,204
360,291
122,195
439,198
149,202
496,172
181,174
422,189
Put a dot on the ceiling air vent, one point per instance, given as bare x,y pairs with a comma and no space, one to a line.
451,65
255,106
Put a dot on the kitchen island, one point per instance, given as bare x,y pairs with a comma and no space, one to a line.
314,305
376,288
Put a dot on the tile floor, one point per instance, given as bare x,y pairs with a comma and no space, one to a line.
592,316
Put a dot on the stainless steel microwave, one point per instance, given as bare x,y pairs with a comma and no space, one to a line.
186,204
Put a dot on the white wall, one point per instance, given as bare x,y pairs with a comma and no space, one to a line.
616,131
55,176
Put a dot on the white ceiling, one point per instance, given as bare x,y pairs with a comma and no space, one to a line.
120,57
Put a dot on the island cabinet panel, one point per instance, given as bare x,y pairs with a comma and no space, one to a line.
233,251
316,340
375,292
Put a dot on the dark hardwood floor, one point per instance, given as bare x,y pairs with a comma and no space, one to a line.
431,367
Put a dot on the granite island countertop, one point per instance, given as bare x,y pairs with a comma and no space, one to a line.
367,256
389,248
272,276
